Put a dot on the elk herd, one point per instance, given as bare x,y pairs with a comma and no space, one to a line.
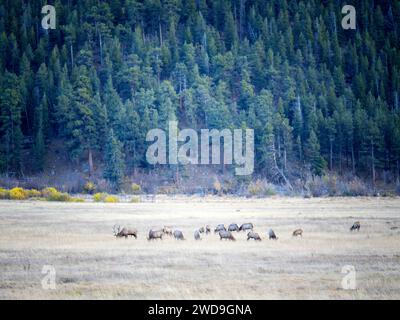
223,232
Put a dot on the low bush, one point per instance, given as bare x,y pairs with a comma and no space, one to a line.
111,199
33,193
136,189
4,194
49,191
261,188
135,199
77,200
99,197
89,187
18,194
59,196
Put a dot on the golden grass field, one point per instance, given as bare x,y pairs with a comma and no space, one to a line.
77,239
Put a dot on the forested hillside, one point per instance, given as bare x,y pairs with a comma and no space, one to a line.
321,99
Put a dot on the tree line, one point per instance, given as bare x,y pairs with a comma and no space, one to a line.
319,98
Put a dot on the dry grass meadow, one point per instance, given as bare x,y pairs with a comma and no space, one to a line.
77,239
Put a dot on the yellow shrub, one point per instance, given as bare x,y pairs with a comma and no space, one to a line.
18,194
98,197
136,189
59,196
111,199
46,192
77,200
89,187
4,193
135,199
33,193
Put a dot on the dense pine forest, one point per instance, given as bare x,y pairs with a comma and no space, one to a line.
323,101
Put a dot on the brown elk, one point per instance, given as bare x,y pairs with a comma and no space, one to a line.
253,235
297,232
167,231
124,232
227,235
155,234
272,235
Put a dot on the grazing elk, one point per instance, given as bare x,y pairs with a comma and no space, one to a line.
167,231
246,226
124,232
233,227
202,230
208,229
356,226
227,235
272,235
178,235
219,228
297,232
253,235
197,235
155,234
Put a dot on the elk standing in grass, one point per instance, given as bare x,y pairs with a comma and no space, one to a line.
208,229
356,226
155,234
167,231
272,235
298,232
253,235
227,235
219,228
178,235
246,226
197,235
233,227
124,232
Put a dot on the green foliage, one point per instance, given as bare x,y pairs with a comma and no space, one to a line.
114,160
313,92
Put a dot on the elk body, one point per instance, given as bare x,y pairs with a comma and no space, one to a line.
253,235
178,235
155,234
356,226
167,231
297,232
208,229
201,230
246,226
233,227
272,235
197,235
124,232
219,228
227,235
